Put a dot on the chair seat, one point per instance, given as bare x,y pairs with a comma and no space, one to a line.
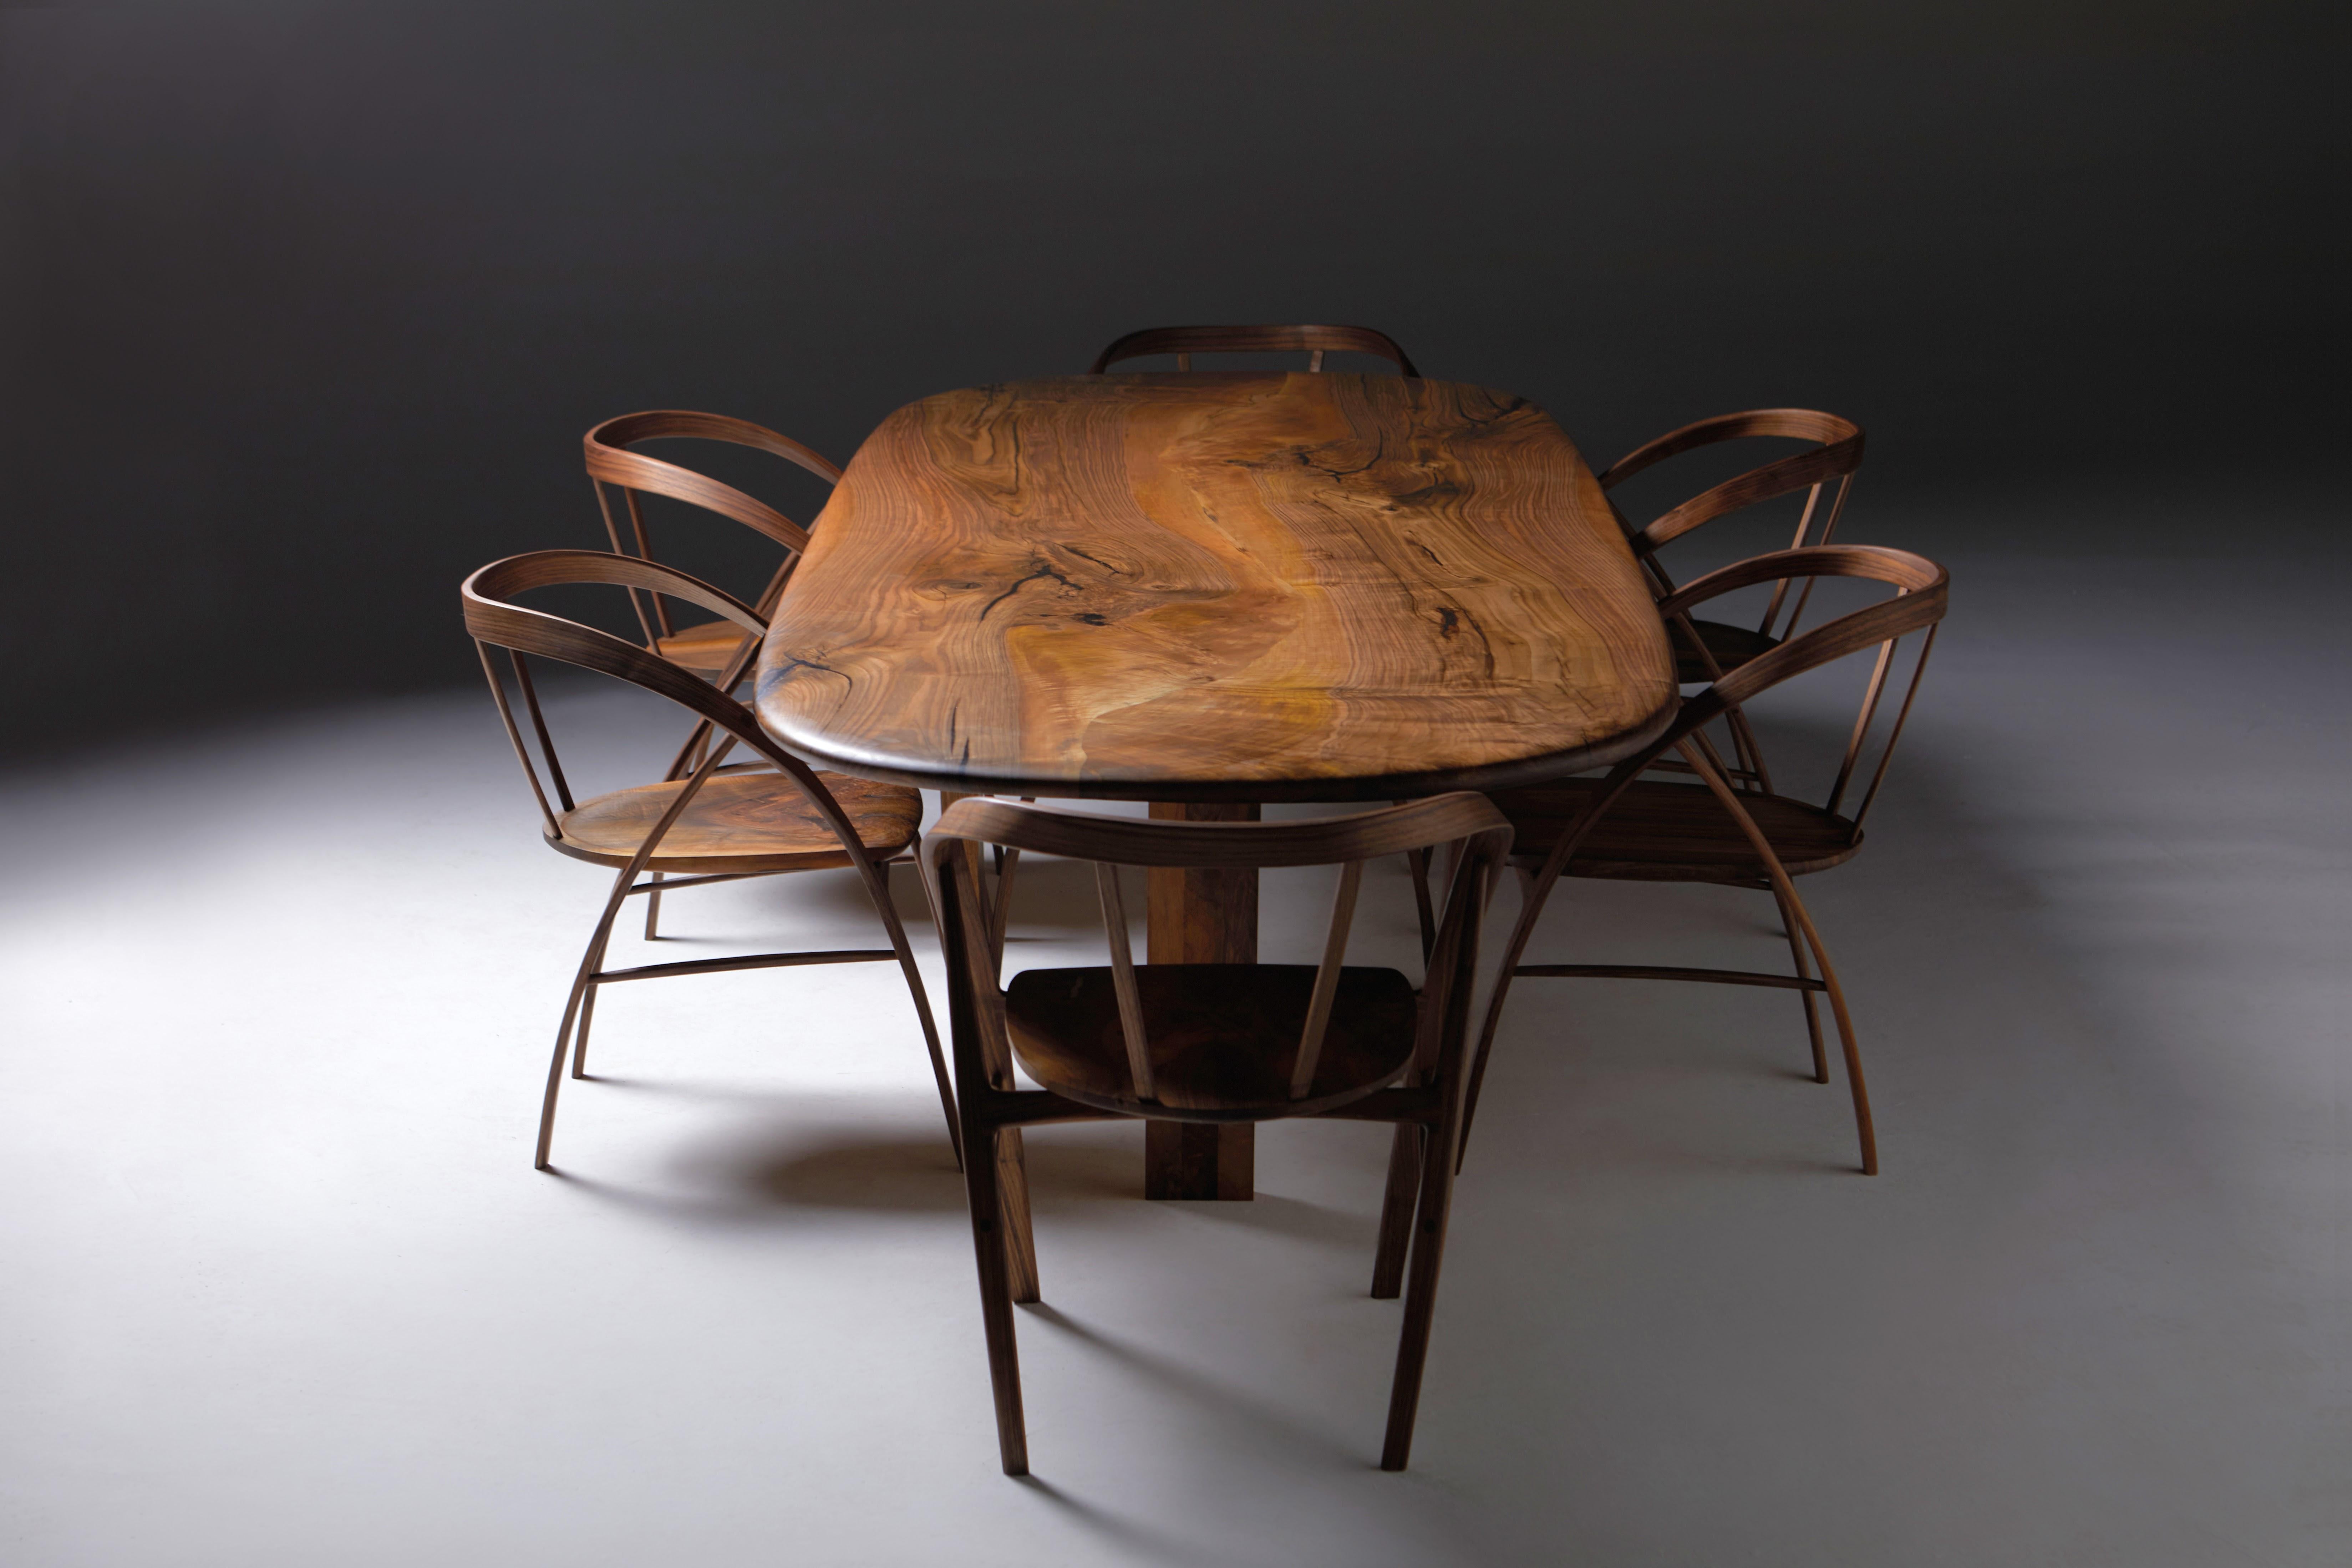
703,649
1223,1038
1730,646
742,822
1675,833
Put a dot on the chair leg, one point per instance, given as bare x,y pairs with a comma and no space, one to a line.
1533,893
1865,1132
589,961
1420,1296
1744,749
1805,972
1020,1239
653,910
588,1007
1396,1210
580,1035
1786,891
982,1186
878,888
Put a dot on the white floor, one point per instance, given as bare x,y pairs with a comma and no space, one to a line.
281,1287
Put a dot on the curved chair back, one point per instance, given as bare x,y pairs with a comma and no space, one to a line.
496,622
1467,822
1921,591
611,461
1313,342
1835,455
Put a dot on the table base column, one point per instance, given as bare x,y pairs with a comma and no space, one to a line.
1202,917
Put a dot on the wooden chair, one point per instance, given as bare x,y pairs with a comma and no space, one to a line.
715,824
716,650
1626,828
1211,1042
1705,649
1313,342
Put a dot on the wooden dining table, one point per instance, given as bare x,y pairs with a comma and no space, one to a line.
1211,590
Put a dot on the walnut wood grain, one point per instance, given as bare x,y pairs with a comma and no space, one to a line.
741,822
1217,587
706,649
1201,917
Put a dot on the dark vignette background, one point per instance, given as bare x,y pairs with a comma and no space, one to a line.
303,311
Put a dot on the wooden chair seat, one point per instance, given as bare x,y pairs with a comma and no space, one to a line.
1675,833
1222,1037
1730,647
706,649
742,822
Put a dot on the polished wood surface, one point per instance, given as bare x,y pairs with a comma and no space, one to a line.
706,649
748,822
1217,587
1212,1042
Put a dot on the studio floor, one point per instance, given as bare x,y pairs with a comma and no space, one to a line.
282,1288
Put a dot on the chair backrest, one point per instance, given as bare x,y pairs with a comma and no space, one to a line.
1921,592
611,461
1313,342
524,633
1467,821
1834,456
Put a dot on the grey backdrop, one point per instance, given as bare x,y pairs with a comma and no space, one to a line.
303,313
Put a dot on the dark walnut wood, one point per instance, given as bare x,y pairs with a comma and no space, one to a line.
1657,831
1217,587
719,826
1209,1042
1625,827
741,822
1198,916
1224,1037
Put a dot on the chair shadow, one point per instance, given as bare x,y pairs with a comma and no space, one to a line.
1193,1388
1128,1536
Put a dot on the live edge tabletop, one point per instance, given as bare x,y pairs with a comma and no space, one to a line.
1216,587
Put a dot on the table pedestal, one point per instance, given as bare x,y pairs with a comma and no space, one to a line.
1202,917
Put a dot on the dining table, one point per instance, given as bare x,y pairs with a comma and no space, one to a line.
1212,590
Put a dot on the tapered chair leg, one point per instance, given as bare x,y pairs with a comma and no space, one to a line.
878,889
1534,891
1420,1295
1865,1130
1020,1238
589,961
580,1034
1786,892
983,1188
1396,1210
1805,972
653,910
588,1002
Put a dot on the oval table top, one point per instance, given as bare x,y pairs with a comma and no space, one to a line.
1208,586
